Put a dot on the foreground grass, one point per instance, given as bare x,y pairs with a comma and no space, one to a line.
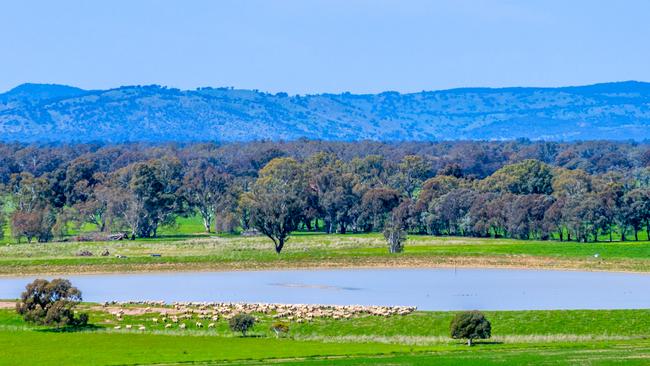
592,354
520,337
202,252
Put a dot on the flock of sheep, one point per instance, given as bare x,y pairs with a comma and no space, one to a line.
211,312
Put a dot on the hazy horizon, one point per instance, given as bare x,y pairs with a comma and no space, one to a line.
340,92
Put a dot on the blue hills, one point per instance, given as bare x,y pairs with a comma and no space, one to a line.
59,113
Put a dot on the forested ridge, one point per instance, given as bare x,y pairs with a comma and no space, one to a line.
56,113
581,191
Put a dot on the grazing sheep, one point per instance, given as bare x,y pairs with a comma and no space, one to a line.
182,326
211,325
213,311
117,327
128,326
142,327
199,325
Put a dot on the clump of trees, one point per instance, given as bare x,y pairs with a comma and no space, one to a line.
470,325
242,323
51,303
583,191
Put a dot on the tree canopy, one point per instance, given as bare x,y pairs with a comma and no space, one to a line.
583,191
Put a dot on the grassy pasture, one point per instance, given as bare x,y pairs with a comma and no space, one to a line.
216,252
556,337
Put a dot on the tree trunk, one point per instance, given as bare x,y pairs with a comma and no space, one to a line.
469,342
623,234
206,224
279,245
636,234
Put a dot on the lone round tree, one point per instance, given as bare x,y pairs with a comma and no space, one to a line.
470,325
51,303
241,323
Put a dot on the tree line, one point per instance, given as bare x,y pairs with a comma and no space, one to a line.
517,189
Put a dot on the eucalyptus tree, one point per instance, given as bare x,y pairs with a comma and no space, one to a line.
203,187
275,200
412,171
33,216
526,177
144,196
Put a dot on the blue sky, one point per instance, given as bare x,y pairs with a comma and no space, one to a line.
310,46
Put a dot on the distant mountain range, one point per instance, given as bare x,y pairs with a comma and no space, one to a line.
44,113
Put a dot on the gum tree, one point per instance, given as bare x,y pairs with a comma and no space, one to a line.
275,201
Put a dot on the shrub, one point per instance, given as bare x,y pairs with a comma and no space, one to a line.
242,323
51,303
280,328
470,325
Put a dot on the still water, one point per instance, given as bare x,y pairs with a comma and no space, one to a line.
428,289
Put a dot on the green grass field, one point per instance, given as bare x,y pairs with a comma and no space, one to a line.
421,338
598,337
186,246
188,251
